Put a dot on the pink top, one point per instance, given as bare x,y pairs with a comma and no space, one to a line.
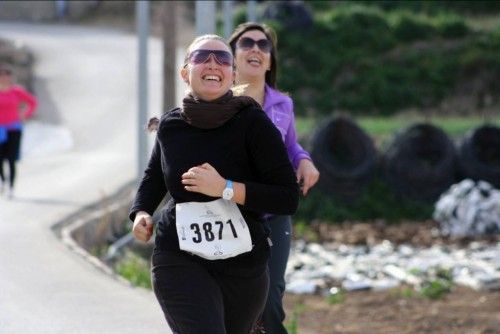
10,105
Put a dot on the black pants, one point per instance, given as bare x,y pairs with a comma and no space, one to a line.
199,297
281,235
10,151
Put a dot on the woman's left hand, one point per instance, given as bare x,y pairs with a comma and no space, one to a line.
307,175
204,179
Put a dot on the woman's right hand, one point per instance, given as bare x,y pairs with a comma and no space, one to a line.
143,226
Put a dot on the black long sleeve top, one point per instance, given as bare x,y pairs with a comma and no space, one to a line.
247,149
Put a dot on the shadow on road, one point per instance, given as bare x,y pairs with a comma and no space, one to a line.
48,110
44,201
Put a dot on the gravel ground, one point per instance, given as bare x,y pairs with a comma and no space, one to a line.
400,310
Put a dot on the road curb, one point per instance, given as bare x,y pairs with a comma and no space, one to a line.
66,228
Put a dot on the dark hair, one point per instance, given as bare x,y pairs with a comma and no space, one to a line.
270,35
6,68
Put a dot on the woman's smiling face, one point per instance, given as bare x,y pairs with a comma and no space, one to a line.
252,63
211,79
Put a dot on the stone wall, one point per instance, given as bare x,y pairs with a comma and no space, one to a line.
100,227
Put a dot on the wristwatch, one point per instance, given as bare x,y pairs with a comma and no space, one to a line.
228,192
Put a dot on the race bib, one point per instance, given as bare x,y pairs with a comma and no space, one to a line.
212,230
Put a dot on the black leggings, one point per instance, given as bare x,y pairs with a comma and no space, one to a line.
10,151
200,298
281,235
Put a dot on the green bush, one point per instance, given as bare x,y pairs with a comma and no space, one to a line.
434,7
377,201
408,28
451,26
135,269
367,61
403,292
355,27
239,16
436,289
292,325
492,40
336,298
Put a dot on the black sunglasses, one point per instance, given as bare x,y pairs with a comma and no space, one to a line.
247,43
202,56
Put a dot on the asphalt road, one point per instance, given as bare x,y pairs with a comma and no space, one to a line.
85,82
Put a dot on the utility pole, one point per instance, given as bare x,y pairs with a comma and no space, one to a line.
228,18
169,33
142,24
251,11
205,17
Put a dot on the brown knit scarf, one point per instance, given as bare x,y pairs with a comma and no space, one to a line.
209,114
212,114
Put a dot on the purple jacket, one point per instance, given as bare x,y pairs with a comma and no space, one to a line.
279,109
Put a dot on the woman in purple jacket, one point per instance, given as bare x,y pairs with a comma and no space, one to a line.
254,49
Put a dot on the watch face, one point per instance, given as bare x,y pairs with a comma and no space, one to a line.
227,193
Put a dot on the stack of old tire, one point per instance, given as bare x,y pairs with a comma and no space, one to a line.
420,163
479,155
345,156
